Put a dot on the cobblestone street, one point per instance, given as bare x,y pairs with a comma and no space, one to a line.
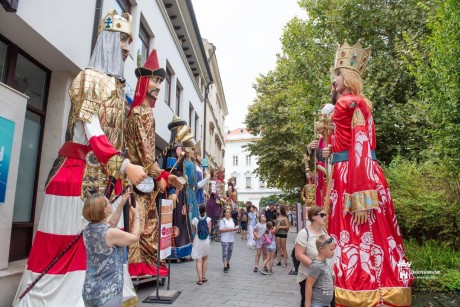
239,287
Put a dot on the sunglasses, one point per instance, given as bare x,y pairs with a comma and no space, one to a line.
328,241
322,214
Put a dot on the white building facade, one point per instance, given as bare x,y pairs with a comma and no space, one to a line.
43,46
240,164
216,111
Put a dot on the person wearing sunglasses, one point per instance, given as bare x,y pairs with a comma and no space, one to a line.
305,246
320,285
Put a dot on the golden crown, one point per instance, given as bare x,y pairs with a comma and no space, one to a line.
114,22
352,57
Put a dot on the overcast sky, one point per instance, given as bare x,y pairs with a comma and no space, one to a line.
247,36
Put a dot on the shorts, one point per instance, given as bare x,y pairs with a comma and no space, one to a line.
259,245
283,236
244,225
271,249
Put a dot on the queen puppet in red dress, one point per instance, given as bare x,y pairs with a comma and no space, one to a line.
371,268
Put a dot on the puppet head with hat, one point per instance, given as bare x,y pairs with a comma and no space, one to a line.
149,79
189,147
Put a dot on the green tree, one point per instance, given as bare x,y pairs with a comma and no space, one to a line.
437,73
287,97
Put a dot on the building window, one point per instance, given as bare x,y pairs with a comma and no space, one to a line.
248,182
248,160
168,87
235,160
178,94
144,43
262,184
122,6
27,76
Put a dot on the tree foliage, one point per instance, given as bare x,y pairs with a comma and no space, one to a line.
437,73
425,202
404,36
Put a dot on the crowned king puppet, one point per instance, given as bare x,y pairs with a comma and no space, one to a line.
90,161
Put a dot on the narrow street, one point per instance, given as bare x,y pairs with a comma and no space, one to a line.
239,287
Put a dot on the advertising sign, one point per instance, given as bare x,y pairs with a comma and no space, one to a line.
6,142
166,228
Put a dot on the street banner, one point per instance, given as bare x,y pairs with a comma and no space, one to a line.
166,227
6,142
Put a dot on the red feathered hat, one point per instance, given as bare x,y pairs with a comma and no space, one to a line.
151,69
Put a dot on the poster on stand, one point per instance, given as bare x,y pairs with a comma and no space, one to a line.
166,228
6,143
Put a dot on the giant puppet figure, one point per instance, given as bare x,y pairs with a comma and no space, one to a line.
221,183
232,193
213,205
90,161
201,182
191,176
173,162
371,268
308,193
140,141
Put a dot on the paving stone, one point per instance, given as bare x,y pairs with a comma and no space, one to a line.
239,287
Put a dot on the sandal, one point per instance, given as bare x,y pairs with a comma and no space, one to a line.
204,280
199,282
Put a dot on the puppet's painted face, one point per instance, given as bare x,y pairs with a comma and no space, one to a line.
179,151
124,45
154,87
339,81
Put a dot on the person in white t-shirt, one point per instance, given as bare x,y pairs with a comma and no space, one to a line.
201,247
227,230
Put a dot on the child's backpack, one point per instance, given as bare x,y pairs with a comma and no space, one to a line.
203,230
244,217
266,239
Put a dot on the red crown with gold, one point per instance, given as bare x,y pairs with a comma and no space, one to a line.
352,57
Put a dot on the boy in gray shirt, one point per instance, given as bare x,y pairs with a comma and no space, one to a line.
320,286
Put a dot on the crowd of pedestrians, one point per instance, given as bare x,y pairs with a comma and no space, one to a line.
267,231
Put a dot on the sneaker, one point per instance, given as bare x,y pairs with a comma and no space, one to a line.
228,266
225,270
279,263
284,265
265,268
270,272
255,269
263,271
